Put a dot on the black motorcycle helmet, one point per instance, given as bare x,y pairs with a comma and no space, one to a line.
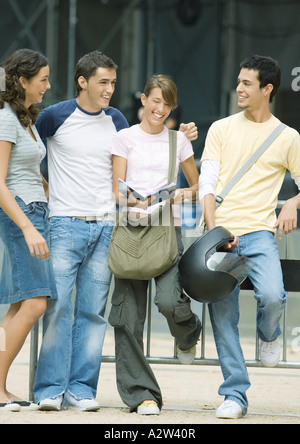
207,272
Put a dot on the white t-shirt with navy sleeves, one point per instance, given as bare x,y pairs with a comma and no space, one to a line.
79,148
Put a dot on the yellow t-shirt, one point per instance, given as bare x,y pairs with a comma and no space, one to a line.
250,205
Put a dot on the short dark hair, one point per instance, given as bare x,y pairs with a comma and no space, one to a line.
268,71
88,65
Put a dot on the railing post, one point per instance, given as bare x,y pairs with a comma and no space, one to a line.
34,344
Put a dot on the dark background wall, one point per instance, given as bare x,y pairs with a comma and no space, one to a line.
200,43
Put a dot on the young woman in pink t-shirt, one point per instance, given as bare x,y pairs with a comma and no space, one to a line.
141,158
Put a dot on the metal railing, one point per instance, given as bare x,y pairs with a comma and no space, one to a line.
202,360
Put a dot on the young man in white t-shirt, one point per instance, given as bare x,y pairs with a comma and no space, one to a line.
248,211
79,135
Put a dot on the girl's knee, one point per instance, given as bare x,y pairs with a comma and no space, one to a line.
179,310
34,308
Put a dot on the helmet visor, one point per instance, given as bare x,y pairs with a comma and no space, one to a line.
234,264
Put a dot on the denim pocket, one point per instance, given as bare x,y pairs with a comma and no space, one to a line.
107,232
59,228
61,247
27,209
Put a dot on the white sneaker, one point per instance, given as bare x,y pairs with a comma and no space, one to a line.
230,410
10,406
148,408
27,406
82,405
269,353
51,404
186,357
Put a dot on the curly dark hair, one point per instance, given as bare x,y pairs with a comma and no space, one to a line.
22,63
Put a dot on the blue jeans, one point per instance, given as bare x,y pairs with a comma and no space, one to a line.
266,277
71,351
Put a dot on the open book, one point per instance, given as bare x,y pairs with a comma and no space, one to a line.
157,196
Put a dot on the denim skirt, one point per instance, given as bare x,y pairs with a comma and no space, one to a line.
23,276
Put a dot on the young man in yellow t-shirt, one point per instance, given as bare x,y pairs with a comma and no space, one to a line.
248,211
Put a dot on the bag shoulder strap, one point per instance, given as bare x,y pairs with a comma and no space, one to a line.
172,155
250,162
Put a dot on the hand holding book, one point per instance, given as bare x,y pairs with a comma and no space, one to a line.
153,198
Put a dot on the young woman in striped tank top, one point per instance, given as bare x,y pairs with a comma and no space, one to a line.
27,276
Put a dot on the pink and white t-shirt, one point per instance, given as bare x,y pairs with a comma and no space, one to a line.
148,158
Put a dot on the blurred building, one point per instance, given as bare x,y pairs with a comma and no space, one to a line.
200,43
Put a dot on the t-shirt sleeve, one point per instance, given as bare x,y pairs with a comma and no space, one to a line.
51,118
119,120
8,128
45,123
213,143
119,146
293,158
186,148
